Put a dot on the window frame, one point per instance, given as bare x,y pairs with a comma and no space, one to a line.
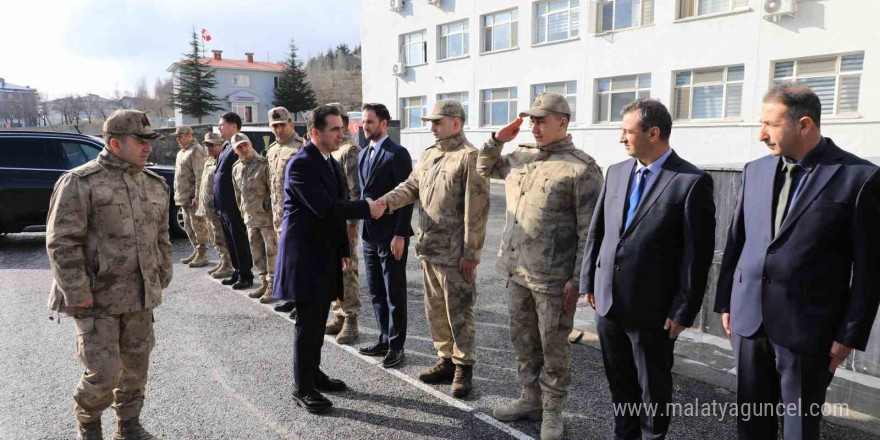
599,94
599,16
570,97
511,111
733,7
404,47
236,78
465,97
405,122
573,32
725,83
466,39
514,30
835,110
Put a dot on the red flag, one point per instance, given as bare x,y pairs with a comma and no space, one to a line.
204,30
207,38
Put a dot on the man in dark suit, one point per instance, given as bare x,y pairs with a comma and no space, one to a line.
799,284
646,265
383,165
314,250
227,208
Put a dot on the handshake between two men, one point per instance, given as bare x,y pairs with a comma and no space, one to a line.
377,207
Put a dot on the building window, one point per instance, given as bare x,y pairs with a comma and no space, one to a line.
275,81
613,15
246,111
692,8
241,80
461,97
454,40
413,110
714,93
498,106
500,30
613,94
567,89
556,20
835,79
414,48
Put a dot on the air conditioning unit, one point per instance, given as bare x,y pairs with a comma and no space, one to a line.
437,3
395,5
774,9
399,69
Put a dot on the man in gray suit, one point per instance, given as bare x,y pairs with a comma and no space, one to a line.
799,283
646,265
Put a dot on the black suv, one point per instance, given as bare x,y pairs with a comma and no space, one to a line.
30,164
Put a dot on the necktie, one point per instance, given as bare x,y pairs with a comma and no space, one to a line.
636,196
782,201
370,159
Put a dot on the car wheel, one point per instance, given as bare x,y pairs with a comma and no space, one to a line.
176,223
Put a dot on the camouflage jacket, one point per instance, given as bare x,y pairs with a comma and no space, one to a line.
188,173
279,154
206,191
107,238
551,193
454,202
347,156
251,182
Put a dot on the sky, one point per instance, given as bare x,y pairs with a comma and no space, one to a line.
63,47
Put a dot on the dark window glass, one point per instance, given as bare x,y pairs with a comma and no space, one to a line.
76,154
23,153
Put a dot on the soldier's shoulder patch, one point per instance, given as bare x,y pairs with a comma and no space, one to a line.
86,169
583,157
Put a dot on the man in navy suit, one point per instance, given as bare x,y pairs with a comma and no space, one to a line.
646,265
799,284
314,250
227,208
383,165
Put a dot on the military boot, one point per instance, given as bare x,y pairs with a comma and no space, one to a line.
191,257
529,405
131,429
552,427
89,431
462,383
442,371
335,327
225,270
268,294
260,291
201,258
349,331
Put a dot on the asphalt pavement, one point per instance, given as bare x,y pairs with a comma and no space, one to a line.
221,368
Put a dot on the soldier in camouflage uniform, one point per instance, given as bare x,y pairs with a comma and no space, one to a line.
345,312
552,189
287,144
187,184
250,178
214,145
453,210
110,254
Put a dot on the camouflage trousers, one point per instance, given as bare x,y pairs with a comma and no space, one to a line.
449,307
115,351
196,228
217,237
351,302
539,330
264,246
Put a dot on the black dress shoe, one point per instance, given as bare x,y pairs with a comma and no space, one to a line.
230,281
243,284
394,357
292,315
380,349
285,307
325,384
312,402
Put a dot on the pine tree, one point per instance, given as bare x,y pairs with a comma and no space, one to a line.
195,82
294,91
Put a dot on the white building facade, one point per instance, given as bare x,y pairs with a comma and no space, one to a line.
709,61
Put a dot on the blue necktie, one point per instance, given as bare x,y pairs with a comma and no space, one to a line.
370,159
636,195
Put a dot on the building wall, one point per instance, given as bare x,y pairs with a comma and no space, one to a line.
742,37
261,90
